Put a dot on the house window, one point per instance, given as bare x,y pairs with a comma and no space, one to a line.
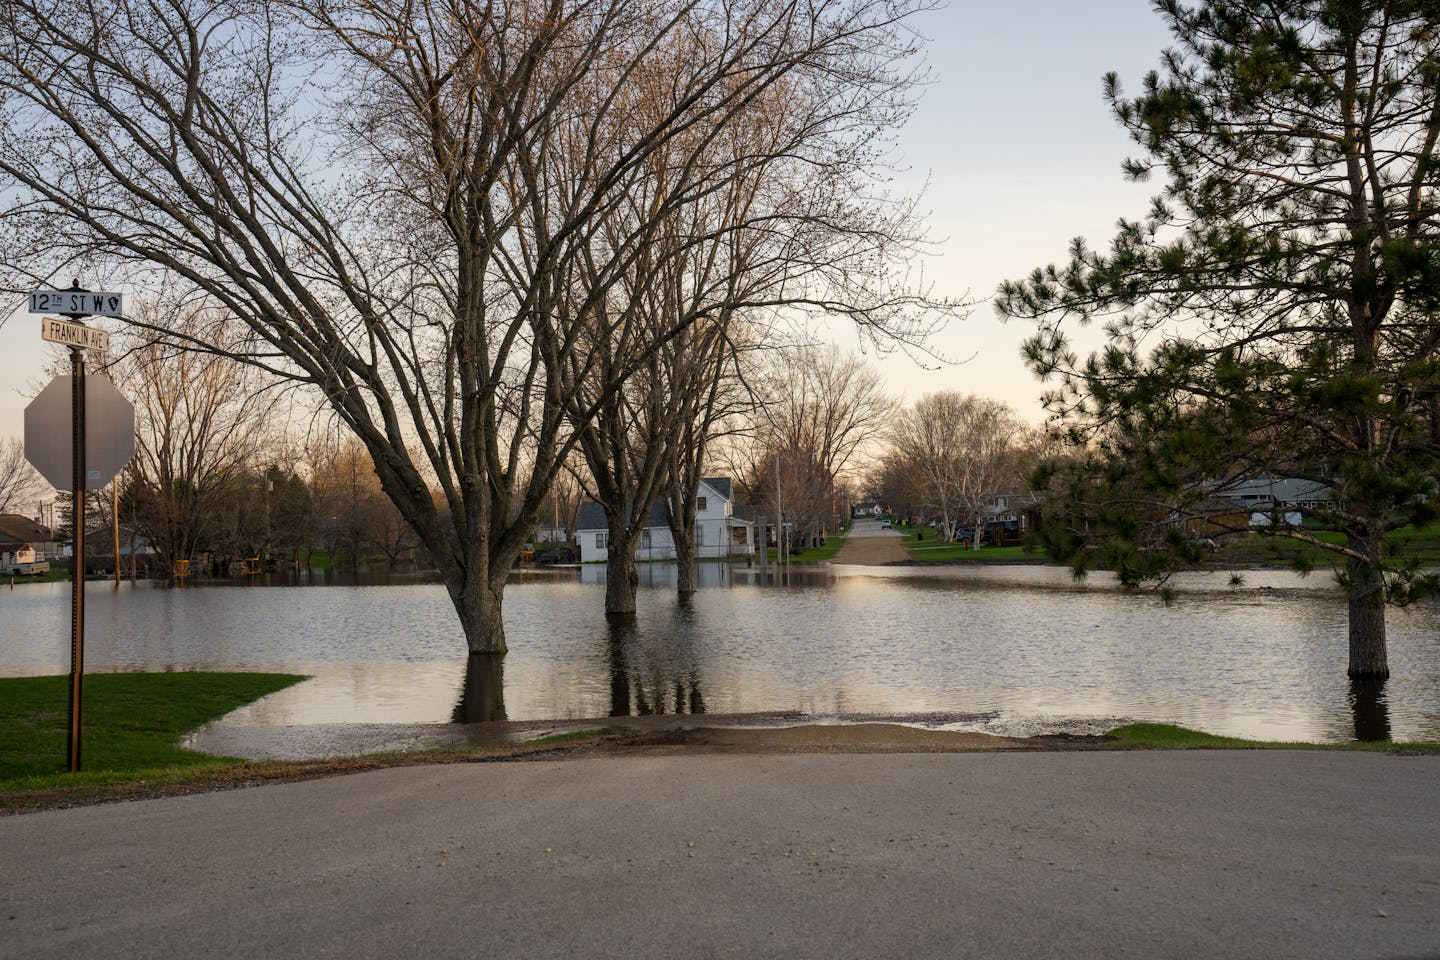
699,535
601,539
644,539
700,504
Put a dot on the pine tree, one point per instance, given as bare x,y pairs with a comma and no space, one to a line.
1274,315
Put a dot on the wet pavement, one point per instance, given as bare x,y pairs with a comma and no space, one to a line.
1019,855
326,741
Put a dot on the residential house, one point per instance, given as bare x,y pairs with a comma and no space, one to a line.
722,529
1007,519
1267,497
25,546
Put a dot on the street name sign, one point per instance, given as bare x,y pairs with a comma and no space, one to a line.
74,334
109,432
78,303
99,442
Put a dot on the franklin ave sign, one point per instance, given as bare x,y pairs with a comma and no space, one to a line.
78,303
74,334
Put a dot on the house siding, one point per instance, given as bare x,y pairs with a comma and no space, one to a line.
711,526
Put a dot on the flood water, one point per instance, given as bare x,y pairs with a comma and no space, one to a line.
1008,649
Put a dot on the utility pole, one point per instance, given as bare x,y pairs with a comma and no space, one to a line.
780,554
764,543
115,524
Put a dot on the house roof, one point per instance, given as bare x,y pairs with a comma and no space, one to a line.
1280,490
17,528
592,516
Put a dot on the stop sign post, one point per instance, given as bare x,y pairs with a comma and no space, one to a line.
94,456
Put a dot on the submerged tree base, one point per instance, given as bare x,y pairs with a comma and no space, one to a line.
482,695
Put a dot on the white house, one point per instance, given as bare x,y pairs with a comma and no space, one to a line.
25,546
721,528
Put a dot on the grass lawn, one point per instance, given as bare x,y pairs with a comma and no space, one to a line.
1165,736
1249,550
54,575
133,723
931,549
319,561
1256,550
833,542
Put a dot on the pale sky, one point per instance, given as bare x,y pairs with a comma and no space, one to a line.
1021,153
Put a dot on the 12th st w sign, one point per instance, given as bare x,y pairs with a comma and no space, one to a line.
109,432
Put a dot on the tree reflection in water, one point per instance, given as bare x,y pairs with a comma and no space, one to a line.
644,686
482,697
1371,710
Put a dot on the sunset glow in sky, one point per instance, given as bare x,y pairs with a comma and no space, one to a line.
1021,155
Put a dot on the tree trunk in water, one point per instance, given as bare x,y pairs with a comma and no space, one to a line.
621,577
482,697
685,563
477,602
1372,714
1367,614
622,635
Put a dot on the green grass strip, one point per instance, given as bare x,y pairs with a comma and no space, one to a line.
133,723
1166,736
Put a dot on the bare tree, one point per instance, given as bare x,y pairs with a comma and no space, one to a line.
929,439
817,409
969,449
894,481
18,480
355,520
396,199
198,423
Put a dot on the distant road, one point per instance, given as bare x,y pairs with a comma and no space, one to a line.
870,543
1000,855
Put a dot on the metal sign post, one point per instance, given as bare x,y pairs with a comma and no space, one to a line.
114,449
77,566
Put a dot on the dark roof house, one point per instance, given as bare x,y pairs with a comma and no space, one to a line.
16,528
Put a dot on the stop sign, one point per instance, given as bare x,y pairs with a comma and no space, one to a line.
109,432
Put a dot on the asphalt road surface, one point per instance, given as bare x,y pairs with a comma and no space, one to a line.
868,542
1150,855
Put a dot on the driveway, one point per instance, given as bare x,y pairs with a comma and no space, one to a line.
1147,855
870,543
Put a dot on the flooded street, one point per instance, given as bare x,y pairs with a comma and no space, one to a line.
1004,649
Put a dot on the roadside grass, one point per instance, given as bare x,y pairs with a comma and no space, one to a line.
198,773
206,773
1254,549
1166,736
318,561
1248,550
931,550
133,723
833,542
55,574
